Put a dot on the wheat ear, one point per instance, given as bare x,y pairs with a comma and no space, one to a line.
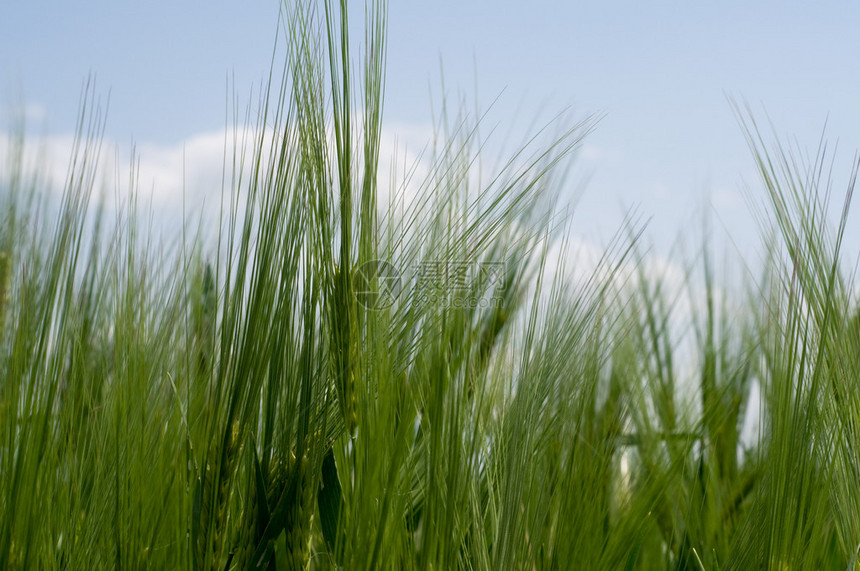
215,499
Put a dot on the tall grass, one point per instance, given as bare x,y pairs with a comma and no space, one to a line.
254,405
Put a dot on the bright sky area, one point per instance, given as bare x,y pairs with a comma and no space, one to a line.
659,73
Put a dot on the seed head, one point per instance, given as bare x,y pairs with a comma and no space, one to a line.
299,530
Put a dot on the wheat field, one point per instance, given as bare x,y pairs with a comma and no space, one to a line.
348,379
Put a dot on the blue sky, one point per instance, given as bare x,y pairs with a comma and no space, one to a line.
659,73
